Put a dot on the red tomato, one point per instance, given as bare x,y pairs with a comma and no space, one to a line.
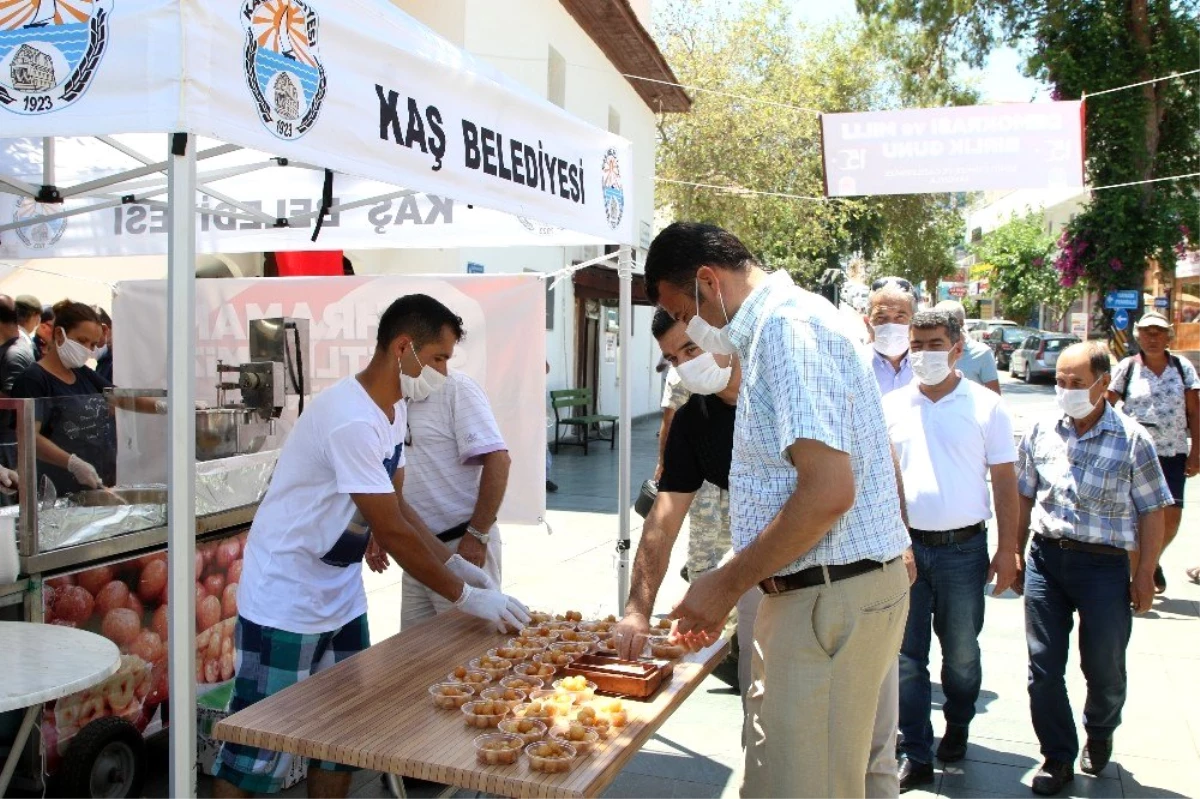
235,572
199,565
208,613
228,551
121,626
112,596
152,580
74,604
148,646
136,605
229,601
62,581
159,622
95,579
214,584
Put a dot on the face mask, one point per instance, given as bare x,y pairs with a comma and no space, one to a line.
890,340
421,387
702,375
713,340
1075,402
72,354
930,367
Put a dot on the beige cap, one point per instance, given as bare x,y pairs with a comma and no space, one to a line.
1153,319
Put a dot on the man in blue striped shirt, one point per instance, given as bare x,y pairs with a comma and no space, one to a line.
1092,491
814,513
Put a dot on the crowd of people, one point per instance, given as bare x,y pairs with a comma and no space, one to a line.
854,486
45,352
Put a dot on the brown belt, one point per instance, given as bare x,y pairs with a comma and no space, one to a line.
813,575
1078,546
941,538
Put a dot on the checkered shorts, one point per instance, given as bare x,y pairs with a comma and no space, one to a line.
267,661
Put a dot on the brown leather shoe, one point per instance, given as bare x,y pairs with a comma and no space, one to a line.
1052,777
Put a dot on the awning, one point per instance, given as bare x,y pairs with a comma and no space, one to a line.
602,283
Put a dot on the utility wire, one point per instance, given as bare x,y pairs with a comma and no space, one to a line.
1141,83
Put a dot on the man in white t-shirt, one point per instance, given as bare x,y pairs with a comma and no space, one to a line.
457,481
338,485
950,434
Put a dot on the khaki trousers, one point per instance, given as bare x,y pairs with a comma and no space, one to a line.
820,658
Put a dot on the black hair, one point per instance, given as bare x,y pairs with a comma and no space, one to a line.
8,314
48,312
661,323
67,314
103,316
25,311
683,247
418,316
931,320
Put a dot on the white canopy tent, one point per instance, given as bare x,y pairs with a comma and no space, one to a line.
342,87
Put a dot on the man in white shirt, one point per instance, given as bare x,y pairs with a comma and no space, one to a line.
814,512
978,362
338,485
457,481
949,434
890,306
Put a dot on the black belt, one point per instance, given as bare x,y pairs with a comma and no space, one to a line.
813,575
1078,546
454,533
941,538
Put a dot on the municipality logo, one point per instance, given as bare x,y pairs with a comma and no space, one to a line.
614,191
282,65
50,51
41,234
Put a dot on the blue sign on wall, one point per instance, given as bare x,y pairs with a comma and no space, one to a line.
1121,319
1160,302
477,269
1122,298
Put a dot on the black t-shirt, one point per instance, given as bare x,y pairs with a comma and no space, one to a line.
76,417
699,445
17,357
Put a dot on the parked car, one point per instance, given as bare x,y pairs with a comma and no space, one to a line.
1037,355
990,326
1004,339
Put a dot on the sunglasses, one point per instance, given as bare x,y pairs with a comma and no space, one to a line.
899,282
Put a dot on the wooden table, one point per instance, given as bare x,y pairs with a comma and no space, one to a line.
374,711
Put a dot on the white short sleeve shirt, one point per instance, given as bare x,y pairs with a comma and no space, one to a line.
945,449
303,564
448,432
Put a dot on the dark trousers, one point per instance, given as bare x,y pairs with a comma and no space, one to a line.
949,594
1058,584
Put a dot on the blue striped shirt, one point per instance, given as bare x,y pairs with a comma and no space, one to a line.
803,378
1091,488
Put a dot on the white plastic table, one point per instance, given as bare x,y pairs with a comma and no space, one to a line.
42,662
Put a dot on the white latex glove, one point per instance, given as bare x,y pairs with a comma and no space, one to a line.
8,480
500,609
84,472
470,574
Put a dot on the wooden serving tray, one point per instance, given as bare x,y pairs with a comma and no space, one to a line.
637,679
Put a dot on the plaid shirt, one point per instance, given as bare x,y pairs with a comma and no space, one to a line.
1092,487
803,377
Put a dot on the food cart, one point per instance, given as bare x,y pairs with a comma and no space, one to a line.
346,88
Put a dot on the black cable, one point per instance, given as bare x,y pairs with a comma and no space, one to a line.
297,383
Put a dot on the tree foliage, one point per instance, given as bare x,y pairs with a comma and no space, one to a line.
1137,134
772,143
1019,253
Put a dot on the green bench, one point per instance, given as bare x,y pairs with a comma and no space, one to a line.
580,398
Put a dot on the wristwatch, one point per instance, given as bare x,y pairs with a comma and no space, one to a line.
483,537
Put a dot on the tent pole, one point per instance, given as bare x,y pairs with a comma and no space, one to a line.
47,160
181,458
625,317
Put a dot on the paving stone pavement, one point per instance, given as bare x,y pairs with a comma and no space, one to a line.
697,751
